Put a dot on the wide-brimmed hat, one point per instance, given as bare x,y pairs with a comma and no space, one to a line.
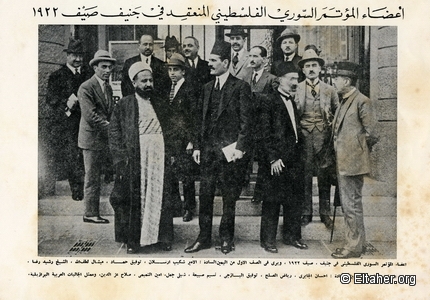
171,42
75,46
288,33
346,68
309,55
221,48
237,31
177,60
101,55
285,67
138,67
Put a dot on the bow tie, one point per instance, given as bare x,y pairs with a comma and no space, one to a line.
286,97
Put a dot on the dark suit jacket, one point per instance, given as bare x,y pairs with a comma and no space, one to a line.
61,84
95,117
182,116
279,142
234,120
159,73
198,76
264,83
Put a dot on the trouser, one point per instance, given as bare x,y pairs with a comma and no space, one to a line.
93,164
350,188
313,143
230,177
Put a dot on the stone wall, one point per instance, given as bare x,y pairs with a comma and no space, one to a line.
383,91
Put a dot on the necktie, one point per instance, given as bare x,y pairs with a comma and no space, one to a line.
254,79
172,92
235,59
313,92
217,84
108,92
193,65
77,71
147,61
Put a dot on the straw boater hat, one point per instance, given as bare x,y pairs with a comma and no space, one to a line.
288,33
101,55
136,68
177,60
237,31
309,55
346,68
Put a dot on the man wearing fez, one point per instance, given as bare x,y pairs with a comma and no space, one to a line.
198,70
183,103
281,163
138,139
159,71
64,117
316,103
239,66
171,46
354,134
95,98
226,109
288,41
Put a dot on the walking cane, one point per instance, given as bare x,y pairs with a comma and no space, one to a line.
336,203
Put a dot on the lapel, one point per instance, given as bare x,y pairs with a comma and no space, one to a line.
343,108
301,95
262,81
100,96
226,94
284,112
180,94
240,63
324,97
208,94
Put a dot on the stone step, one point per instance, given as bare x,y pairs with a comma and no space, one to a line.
65,206
371,188
381,229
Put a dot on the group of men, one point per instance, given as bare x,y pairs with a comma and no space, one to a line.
187,116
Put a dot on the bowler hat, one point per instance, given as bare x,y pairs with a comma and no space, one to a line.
75,46
136,68
237,31
171,42
177,60
285,67
309,55
222,49
288,33
346,68
101,55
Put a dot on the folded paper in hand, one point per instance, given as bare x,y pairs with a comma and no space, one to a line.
229,151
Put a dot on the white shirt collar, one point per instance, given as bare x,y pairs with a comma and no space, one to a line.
289,57
143,58
222,79
260,73
195,61
240,53
101,82
178,85
73,69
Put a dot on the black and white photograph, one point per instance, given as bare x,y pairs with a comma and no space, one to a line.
217,141
215,150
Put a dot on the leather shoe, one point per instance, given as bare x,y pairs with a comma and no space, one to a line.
327,222
132,249
343,254
227,247
188,216
296,243
269,248
97,220
197,246
306,219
